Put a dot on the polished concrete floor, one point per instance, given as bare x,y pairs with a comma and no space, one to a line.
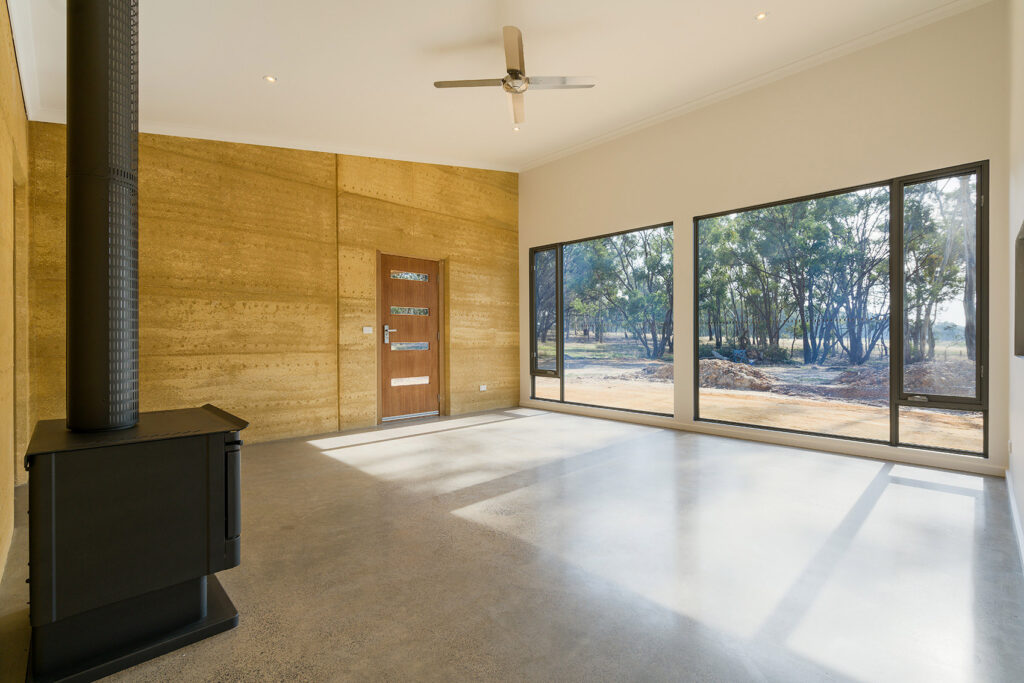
524,545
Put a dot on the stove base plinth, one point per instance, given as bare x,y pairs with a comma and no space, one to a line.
220,616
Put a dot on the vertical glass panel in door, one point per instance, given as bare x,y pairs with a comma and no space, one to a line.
940,287
545,312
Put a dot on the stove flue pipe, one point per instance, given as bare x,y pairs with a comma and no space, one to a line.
102,215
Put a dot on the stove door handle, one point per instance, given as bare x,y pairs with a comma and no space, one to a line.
233,493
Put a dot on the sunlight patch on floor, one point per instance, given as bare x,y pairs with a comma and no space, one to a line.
523,412
904,587
452,457
646,525
834,559
960,480
398,432
834,544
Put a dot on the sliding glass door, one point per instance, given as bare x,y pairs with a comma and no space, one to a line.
858,313
601,320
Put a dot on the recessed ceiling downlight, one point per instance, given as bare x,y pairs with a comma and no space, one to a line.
761,16
270,79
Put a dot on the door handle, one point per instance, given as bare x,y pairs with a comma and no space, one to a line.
232,492
387,333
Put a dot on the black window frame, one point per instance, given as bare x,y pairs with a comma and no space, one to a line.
559,374
534,370
898,398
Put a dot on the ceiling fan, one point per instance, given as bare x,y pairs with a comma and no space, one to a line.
516,82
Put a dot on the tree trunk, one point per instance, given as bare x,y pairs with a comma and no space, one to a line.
967,216
928,332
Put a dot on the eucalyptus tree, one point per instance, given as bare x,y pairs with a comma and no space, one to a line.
859,225
933,260
630,277
544,293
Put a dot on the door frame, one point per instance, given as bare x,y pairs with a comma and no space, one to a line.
443,322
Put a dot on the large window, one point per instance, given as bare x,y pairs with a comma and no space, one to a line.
794,315
858,314
601,319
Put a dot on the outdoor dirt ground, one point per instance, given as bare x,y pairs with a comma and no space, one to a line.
917,426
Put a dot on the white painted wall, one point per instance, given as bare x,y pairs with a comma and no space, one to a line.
1016,472
928,99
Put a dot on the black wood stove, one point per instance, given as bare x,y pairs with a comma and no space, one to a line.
129,515
126,529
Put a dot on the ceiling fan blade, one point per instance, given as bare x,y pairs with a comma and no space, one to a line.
559,82
518,103
513,49
474,83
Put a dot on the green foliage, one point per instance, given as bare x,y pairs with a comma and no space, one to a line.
622,282
815,270
940,261
544,292
708,351
774,355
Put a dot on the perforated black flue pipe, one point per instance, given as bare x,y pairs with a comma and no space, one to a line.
102,215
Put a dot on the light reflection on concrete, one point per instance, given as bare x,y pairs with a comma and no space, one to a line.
399,430
454,454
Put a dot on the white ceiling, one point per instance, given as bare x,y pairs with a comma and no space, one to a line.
356,77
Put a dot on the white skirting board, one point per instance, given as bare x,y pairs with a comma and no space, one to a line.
1018,528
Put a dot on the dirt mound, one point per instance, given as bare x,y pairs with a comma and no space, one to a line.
653,372
723,374
934,377
871,384
862,376
863,383
950,378
661,371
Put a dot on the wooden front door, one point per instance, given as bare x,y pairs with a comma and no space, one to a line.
410,385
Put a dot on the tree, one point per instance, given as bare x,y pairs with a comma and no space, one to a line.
860,226
714,276
817,268
934,265
544,292
630,276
